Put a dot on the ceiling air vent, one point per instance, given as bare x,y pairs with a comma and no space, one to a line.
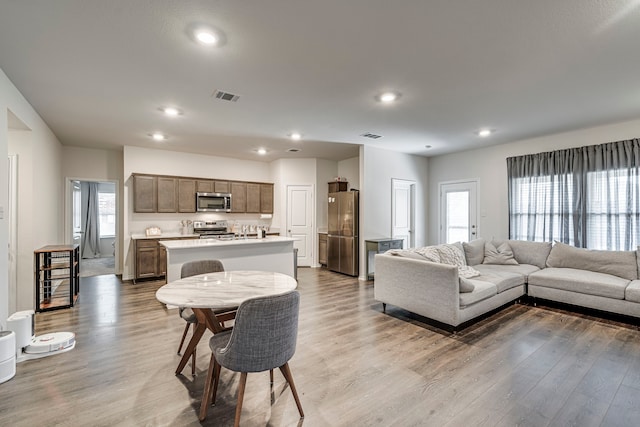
371,135
225,96
293,150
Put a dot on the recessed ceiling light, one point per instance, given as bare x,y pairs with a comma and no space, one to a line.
483,133
388,97
206,37
261,151
171,111
428,147
295,136
157,136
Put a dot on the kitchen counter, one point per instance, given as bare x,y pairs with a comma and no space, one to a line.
273,253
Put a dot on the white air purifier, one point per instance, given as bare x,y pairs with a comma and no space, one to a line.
7,355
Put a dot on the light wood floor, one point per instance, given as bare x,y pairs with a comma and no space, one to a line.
354,366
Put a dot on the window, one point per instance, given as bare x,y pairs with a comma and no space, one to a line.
107,214
587,196
77,208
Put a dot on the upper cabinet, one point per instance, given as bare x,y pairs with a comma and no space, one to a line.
187,195
159,193
145,193
167,194
266,198
238,196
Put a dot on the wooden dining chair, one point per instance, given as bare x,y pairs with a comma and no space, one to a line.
193,268
263,338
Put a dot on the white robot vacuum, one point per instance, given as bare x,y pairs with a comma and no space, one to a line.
28,346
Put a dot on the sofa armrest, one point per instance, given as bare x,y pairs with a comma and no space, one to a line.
422,287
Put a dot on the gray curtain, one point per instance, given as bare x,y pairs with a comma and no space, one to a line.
587,196
91,242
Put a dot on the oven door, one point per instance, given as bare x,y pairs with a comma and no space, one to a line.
213,202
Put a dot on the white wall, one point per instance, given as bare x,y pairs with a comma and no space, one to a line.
489,166
40,192
377,168
162,162
350,169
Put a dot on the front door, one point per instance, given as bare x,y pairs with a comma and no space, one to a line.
300,221
458,211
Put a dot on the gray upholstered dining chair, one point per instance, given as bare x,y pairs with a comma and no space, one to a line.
193,268
263,338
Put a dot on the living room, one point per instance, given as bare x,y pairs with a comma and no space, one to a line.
602,107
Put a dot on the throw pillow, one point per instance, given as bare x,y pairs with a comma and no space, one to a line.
500,254
452,254
474,251
466,285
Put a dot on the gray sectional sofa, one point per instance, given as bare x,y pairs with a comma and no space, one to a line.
454,290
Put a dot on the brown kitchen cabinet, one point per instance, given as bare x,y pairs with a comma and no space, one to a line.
151,258
145,193
238,196
266,198
187,195
161,193
253,198
322,249
167,194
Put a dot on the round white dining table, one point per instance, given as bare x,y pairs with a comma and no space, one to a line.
214,297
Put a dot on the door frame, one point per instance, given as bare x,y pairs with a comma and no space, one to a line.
68,215
412,201
441,206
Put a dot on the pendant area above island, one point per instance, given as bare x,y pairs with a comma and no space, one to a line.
273,253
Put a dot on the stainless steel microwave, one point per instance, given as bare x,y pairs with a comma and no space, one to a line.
213,202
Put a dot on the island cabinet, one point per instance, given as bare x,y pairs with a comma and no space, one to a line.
238,196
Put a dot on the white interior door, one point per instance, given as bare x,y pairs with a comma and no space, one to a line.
458,211
300,221
403,211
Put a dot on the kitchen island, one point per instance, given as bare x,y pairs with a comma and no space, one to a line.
273,253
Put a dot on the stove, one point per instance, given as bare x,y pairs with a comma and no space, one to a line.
212,230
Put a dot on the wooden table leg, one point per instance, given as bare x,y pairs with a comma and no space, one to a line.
205,320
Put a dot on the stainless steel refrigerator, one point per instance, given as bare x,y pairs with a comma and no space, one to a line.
342,236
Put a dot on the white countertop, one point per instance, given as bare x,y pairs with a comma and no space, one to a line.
165,236
203,243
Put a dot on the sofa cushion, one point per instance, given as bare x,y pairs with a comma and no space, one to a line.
504,276
498,254
618,263
580,281
501,275
474,251
632,292
481,291
534,253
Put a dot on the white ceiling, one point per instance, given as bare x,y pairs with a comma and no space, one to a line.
97,71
